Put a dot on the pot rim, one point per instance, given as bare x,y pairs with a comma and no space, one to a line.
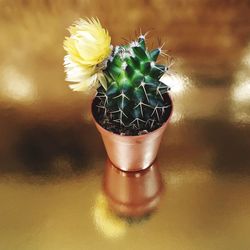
133,136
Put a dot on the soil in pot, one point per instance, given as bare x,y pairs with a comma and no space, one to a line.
110,120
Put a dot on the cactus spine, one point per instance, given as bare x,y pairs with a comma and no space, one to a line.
135,99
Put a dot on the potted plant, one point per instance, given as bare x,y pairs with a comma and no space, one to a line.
131,106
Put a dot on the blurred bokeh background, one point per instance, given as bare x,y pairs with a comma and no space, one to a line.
52,158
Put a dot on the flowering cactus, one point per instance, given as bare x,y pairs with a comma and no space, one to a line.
130,97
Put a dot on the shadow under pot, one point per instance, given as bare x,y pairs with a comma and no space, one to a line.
133,152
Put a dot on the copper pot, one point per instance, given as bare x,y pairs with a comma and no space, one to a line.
132,153
132,194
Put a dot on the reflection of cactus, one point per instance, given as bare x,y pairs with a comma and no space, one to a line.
135,99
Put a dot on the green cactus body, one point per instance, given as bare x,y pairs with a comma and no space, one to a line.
135,99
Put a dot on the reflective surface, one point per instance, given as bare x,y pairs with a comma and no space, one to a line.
132,194
52,158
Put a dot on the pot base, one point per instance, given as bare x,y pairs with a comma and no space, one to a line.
132,170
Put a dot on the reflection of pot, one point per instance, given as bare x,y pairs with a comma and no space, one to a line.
132,193
132,153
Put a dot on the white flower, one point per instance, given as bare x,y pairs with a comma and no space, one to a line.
88,48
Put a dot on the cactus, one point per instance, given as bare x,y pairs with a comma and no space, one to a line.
135,100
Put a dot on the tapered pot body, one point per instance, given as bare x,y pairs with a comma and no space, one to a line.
132,153
132,193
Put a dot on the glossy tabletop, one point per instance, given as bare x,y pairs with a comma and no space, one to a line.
57,189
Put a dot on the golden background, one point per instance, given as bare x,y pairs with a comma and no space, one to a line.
52,158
